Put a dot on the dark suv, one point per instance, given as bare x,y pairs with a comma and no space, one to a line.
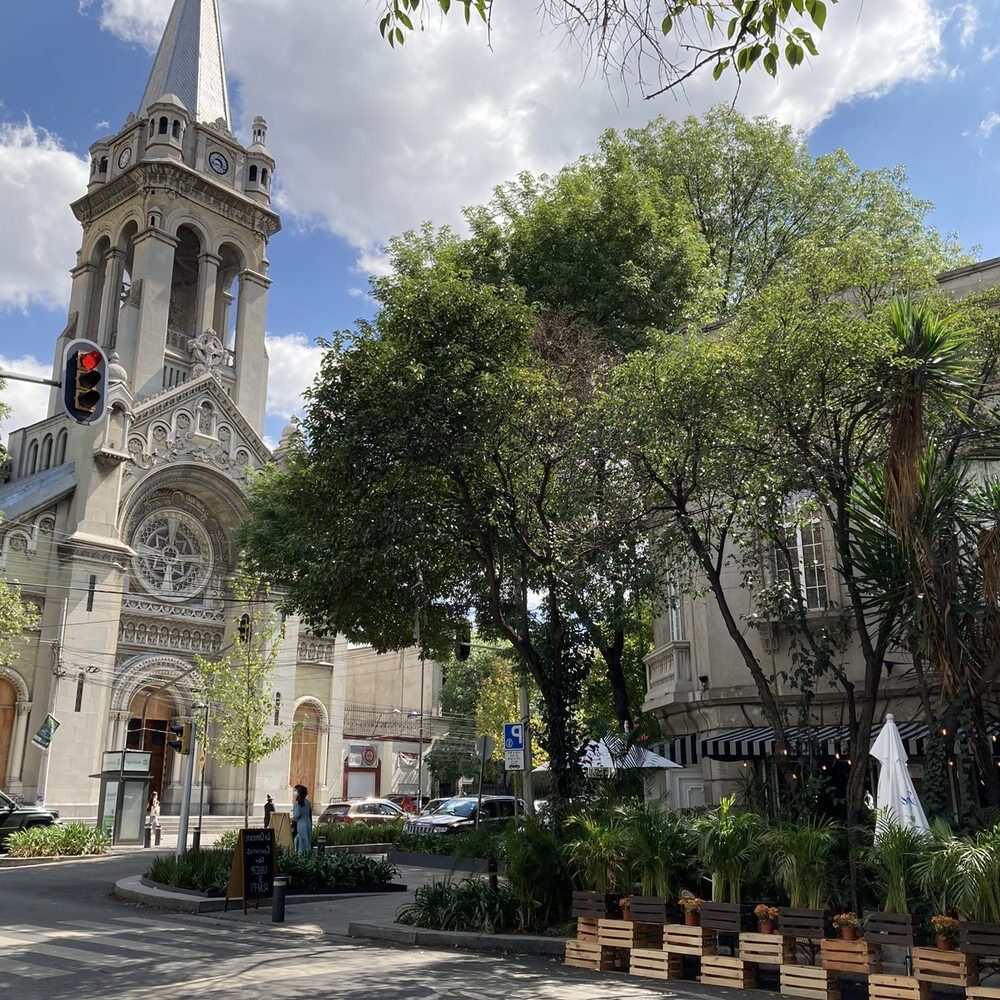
458,814
14,817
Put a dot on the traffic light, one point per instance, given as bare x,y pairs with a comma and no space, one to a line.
463,643
85,381
245,629
183,742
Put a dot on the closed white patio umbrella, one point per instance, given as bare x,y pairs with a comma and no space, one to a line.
896,799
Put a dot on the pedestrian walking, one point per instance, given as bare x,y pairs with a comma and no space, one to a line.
268,809
302,820
153,811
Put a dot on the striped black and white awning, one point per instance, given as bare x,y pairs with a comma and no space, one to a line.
754,742
682,750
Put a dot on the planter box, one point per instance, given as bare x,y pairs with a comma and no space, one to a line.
809,982
595,904
627,934
654,964
860,957
653,910
952,968
719,970
882,987
586,929
679,939
767,949
799,923
446,861
899,929
587,955
982,993
728,918
979,939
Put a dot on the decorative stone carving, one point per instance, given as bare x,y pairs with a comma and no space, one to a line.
207,351
316,650
173,557
154,609
137,632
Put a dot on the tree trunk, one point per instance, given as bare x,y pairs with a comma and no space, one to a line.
246,795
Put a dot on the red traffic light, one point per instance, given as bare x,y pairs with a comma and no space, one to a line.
90,360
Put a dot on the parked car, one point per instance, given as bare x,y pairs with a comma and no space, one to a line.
432,805
408,803
458,814
14,817
366,811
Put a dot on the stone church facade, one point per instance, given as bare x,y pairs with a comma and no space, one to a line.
124,532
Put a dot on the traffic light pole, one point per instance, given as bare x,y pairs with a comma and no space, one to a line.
14,377
182,829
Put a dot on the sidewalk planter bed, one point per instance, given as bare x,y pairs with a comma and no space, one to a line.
681,940
653,910
898,929
586,928
594,957
627,933
803,923
595,904
720,970
982,993
979,939
653,963
883,987
809,982
58,841
446,862
860,957
728,918
767,949
951,968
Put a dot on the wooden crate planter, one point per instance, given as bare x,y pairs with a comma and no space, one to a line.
679,939
809,982
767,949
897,929
586,928
883,987
653,910
720,970
654,964
588,955
810,924
595,904
628,934
979,939
860,957
982,993
727,918
951,968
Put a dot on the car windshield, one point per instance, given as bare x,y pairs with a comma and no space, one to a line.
457,807
4,801
339,810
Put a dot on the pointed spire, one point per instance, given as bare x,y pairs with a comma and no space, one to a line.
190,64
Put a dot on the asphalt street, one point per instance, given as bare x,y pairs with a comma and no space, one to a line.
63,935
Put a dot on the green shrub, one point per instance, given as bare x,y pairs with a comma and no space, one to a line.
58,840
202,871
537,873
470,905
227,841
473,844
359,833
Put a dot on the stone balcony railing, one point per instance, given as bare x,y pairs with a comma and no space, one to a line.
667,670
384,720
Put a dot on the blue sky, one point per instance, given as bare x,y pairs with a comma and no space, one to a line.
370,142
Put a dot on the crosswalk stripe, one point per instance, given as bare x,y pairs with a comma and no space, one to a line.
32,970
26,949
112,939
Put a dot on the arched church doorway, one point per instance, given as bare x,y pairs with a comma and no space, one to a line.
305,747
8,699
159,711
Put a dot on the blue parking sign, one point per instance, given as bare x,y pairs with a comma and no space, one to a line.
513,736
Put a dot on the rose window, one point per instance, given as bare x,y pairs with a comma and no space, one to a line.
173,555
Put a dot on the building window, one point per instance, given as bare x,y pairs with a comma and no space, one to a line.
163,125
804,565
675,613
176,129
253,175
90,593
263,177
79,692
103,168
277,707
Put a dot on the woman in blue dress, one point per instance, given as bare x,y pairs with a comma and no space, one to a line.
302,821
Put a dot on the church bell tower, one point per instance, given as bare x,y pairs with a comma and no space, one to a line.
172,272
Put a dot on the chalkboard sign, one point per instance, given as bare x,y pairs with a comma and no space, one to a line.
252,874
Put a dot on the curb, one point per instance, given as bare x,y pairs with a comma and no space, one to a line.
503,944
6,862
444,862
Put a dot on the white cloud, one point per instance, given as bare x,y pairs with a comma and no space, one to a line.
988,124
989,52
294,364
134,20
371,141
968,24
38,178
28,402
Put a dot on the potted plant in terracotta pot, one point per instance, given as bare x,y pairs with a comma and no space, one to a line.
848,924
767,918
691,908
945,931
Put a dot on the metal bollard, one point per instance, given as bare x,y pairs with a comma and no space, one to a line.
147,836
196,839
278,899
321,845
156,838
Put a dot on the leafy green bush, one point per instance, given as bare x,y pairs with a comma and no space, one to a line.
58,840
227,841
537,873
208,871
473,844
359,833
470,905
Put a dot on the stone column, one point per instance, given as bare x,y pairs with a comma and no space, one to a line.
324,757
154,265
251,355
79,306
111,298
208,273
117,730
17,742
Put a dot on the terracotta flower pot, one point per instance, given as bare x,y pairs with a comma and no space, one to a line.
945,943
849,933
766,927
692,919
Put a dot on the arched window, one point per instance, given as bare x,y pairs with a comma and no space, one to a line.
253,175
263,176
61,448
47,452
33,458
104,165
175,130
163,125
